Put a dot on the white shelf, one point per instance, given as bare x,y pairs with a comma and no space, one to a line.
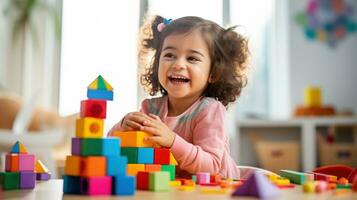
307,125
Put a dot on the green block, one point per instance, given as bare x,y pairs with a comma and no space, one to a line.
159,181
294,176
194,178
10,180
131,153
170,169
348,186
91,146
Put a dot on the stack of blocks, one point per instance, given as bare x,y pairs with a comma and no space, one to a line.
153,167
20,172
95,166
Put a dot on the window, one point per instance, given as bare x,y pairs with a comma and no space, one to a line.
99,37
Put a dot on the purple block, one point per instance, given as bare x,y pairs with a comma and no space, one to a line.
257,185
43,176
27,180
26,162
76,146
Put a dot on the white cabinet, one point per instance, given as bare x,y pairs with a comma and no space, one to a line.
302,129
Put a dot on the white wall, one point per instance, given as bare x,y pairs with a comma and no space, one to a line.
2,44
315,63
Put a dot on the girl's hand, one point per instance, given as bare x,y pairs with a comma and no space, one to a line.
162,134
134,121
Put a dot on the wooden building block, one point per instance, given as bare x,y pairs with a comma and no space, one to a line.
124,185
18,148
93,108
26,162
171,169
203,178
89,127
172,160
159,181
100,94
133,138
152,168
133,169
12,162
131,153
101,185
27,180
71,185
91,146
145,155
174,183
76,146
43,176
116,165
93,166
312,96
111,146
100,84
142,181
40,167
73,165
162,156
295,177
10,180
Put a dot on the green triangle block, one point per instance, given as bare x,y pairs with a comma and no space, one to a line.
101,83
16,148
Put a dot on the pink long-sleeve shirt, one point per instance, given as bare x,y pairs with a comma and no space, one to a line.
201,144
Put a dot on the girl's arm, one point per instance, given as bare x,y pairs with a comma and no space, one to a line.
206,152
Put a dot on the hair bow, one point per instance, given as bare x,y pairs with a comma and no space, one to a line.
163,24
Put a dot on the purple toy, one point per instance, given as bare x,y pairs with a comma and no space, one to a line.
27,180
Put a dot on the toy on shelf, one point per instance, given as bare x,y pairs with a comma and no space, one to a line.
313,104
20,171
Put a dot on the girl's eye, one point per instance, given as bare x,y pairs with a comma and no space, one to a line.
169,55
193,59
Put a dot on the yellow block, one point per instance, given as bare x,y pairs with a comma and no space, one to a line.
309,187
174,183
133,169
186,188
133,138
22,148
312,96
73,165
89,127
281,181
172,160
40,167
209,190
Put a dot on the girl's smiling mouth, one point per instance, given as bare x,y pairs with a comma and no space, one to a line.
178,79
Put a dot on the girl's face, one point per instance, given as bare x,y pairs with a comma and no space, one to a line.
184,66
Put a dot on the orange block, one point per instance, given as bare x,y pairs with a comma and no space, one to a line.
73,165
93,166
133,169
133,138
89,127
12,163
152,168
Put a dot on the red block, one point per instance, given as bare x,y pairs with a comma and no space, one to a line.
142,181
93,108
161,156
335,170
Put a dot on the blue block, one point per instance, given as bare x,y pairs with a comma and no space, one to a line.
124,185
111,146
116,165
71,185
145,155
100,94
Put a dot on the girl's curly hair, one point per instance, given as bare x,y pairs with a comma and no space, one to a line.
228,51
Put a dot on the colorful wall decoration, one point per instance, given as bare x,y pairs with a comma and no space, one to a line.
328,21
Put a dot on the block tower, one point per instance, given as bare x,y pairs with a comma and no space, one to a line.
20,171
153,167
96,166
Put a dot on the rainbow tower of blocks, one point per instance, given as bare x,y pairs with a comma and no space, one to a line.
21,171
153,167
96,166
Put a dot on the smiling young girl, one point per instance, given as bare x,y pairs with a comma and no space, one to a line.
198,68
